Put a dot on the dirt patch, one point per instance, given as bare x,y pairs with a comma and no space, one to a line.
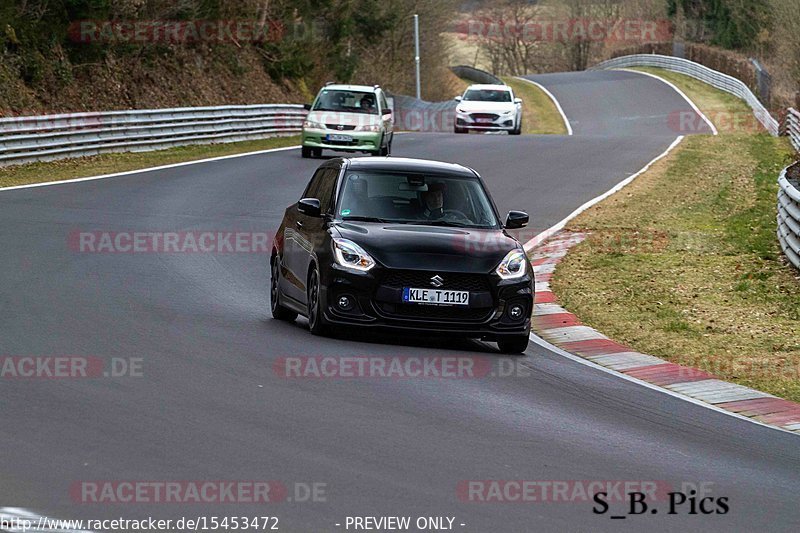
793,174
171,78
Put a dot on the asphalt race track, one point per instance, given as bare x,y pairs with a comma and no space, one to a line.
210,407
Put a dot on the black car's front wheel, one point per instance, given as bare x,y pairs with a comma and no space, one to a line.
513,345
279,312
315,320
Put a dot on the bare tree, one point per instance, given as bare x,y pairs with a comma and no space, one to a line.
786,37
509,35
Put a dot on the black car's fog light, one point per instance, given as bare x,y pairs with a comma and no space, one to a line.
516,311
345,302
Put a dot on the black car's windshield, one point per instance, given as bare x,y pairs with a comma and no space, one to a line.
346,102
434,200
487,95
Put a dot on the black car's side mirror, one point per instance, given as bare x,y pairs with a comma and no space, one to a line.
516,219
309,207
307,107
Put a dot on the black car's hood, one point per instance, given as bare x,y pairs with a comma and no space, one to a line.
430,247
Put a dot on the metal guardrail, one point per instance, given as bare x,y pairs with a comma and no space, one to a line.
789,216
411,114
712,77
48,137
792,127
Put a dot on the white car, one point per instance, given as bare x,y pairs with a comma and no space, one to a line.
488,108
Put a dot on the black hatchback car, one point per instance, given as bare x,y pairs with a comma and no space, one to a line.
403,244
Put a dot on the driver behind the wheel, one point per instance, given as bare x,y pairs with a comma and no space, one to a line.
433,201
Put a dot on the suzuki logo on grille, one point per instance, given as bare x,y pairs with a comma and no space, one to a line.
437,281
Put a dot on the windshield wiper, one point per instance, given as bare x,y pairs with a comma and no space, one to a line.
367,219
446,223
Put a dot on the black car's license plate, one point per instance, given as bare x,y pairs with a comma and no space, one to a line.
435,296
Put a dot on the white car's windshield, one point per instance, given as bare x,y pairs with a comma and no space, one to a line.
415,199
487,95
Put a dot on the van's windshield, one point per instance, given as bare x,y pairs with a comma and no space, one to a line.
346,102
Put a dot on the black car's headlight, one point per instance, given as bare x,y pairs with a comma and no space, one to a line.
350,255
513,265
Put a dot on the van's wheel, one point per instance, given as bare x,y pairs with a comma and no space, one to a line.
314,299
305,152
279,312
316,152
513,345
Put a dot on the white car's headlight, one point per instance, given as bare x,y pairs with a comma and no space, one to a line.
460,110
369,127
509,112
313,125
350,255
513,265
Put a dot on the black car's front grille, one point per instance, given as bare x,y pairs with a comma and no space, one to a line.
433,312
451,281
340,127
490,116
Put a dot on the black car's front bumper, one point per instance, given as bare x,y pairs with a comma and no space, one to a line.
376,302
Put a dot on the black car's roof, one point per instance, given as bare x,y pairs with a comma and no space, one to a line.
406,164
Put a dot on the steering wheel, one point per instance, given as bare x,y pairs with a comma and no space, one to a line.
458,214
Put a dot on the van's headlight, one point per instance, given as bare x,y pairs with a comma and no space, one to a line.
513,265
350,255
310,124
369,127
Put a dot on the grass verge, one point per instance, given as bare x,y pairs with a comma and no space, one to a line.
539,114
684,263
65,169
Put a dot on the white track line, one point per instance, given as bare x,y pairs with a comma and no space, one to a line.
555,101
147,169
694,107
559,351
546,234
